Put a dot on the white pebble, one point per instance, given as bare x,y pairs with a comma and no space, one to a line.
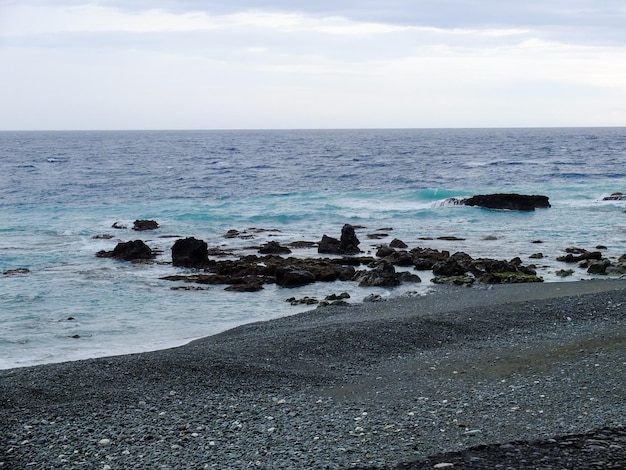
104,442
444,465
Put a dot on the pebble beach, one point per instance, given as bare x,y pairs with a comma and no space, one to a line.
366,386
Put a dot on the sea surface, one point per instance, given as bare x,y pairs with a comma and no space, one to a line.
59,190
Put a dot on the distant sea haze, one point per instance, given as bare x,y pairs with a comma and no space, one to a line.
60,192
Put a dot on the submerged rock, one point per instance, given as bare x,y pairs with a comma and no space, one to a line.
564,272
615,197
16,272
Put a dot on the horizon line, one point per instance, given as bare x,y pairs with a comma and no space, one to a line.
260,129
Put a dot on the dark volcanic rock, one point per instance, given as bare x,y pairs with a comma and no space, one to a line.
141,225
425,258
519,202
329,245
16,272
383,275
598,266
129,251
615,197
462,268
574,255
190,253
456,265
349,243
252,286
396,243
400,258
293,276
274,248
384,251
250,273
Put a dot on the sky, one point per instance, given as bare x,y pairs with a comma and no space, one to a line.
279,64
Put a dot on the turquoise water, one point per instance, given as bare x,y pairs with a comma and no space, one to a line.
60,189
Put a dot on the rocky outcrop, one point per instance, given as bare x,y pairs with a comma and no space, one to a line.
293,276
251,272
396,243
604,266
328,245
348,244
383,275
456,265
129,251
274,248
598,266
575,255
190,253
518,202
615,197
425,258
141,225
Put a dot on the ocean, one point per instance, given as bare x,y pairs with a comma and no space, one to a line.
61,191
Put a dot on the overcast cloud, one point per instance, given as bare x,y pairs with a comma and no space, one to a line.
190,64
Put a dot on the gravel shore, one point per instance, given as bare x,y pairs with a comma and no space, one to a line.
375,385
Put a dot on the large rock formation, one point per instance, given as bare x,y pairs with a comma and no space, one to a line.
190,253
347,245
518,202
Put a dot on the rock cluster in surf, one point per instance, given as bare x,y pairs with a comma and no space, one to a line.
389,267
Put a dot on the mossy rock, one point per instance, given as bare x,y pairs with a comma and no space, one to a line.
454,280
509,278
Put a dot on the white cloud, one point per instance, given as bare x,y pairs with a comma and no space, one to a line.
99,66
